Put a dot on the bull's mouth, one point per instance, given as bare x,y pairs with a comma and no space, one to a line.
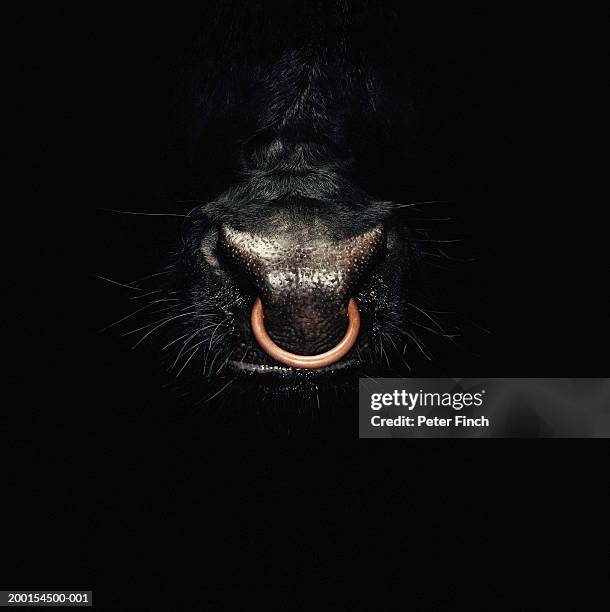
311,362
267,371
264,360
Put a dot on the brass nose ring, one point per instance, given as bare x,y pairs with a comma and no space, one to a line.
305,361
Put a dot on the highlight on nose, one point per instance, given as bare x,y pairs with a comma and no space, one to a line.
304,278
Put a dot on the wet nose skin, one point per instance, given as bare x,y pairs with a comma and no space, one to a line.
304,281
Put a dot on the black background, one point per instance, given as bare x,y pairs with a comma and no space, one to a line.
113,491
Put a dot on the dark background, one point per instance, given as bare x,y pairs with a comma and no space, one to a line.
113,491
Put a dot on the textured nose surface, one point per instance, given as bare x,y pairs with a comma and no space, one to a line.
304,279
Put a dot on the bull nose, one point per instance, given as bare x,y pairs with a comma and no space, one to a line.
304,279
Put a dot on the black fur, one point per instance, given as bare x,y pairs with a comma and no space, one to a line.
299,102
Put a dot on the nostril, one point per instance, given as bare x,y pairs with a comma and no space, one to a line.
232,263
